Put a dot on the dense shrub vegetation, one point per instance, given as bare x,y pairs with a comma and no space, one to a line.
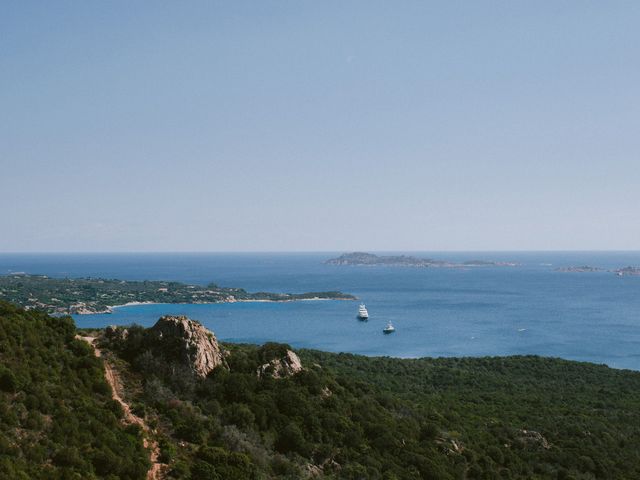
581,420
353,417
57,419
343,417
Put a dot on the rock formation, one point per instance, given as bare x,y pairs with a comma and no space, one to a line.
533,438
285,366
197,346
112,332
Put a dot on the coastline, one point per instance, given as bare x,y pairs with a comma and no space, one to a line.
131,304
110,308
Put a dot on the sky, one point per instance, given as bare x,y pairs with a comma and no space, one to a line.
319,126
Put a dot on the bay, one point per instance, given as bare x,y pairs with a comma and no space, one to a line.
528,309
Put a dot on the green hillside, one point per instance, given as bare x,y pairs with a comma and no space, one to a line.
353,417
57,419
342,417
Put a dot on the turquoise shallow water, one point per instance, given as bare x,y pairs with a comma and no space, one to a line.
530,309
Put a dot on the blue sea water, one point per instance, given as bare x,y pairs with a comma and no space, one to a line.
529,309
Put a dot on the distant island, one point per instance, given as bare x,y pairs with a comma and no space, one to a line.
98,295
369,259
581,269
627,271
621,272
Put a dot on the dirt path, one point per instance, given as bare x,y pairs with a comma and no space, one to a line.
156,470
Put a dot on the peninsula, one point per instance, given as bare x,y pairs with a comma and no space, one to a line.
98,295
369,259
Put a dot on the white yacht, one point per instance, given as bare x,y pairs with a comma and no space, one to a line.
362,312
389,328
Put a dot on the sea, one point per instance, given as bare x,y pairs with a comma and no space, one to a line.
438,312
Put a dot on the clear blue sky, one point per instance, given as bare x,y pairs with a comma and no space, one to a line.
214,126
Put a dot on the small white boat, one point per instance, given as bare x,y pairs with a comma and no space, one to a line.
389,328
362,312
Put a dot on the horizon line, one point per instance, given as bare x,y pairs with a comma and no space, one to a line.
138,252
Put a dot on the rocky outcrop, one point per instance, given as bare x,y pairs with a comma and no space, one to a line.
115,333
533,438
450,446
287,365
197,346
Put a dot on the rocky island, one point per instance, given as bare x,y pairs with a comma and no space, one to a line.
621,272
369,259
580,269
98,295
633,271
